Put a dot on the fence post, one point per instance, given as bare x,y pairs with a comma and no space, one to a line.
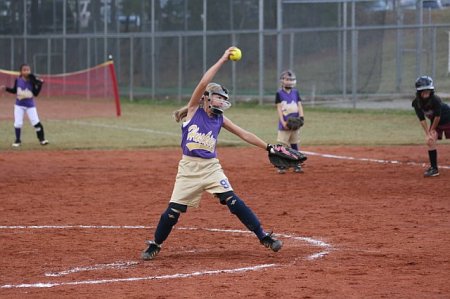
291,50
261,51
205,13
64,36
433,52
131,96
49,55
105,30
419,37
233,65
25,31
153,50
49,61
399,48
354,67
354,57
180,67
13,50
233,73
344,50
88,65
448,71
279,36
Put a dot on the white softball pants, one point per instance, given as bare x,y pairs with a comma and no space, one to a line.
19,113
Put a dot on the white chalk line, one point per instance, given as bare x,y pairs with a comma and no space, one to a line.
75,227
339,157
126,128
130,279
325,250
318,255
309,240
238,231
382,161
116,265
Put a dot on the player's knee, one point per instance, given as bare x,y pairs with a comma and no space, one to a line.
238,207
233,202
172,214
18,125
38,127
431,144
224,197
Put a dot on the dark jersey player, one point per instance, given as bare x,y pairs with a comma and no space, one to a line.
428,105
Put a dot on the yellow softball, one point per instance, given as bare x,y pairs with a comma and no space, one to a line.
236,54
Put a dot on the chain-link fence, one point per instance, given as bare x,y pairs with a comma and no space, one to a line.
340,49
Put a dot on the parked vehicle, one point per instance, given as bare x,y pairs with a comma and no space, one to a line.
432,4
379,5
428,4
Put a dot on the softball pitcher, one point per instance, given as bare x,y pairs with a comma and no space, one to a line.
199,169
290,114
26,87
428,105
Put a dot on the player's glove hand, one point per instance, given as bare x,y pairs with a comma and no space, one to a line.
282,156
35,80
295,123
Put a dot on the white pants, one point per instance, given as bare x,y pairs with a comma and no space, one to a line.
19,113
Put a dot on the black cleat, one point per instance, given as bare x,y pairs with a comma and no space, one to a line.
281,170
298,169
152,251
269,242
431,172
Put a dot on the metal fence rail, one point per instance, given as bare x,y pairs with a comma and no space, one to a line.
343,50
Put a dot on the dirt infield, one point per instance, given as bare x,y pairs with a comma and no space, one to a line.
351,228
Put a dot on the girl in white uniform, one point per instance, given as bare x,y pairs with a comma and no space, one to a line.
26,87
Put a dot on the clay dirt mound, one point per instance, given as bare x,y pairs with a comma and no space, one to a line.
387,225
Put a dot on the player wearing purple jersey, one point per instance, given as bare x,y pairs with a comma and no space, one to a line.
26,87
289,105
199,169
428,105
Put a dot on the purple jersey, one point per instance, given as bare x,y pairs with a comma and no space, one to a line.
289,104
24,87
199,135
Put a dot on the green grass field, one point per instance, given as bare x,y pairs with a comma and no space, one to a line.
151,125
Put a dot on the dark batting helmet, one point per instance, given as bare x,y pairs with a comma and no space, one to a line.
424,83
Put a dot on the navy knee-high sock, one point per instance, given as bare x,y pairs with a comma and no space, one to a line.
433,158
245,215
294,146
168,219
17,132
